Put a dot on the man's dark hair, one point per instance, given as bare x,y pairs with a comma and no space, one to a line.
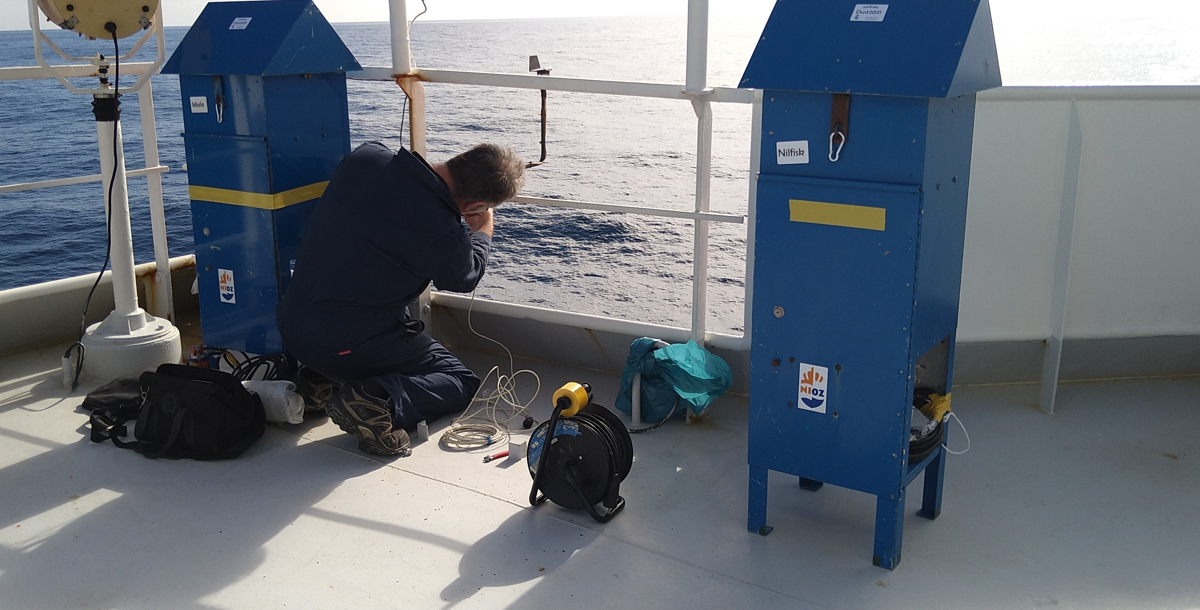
488,172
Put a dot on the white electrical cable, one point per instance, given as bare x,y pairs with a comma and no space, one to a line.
950,414
487,424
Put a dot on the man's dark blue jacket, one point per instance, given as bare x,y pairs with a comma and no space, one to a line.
385,227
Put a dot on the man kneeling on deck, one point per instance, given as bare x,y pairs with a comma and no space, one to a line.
387,225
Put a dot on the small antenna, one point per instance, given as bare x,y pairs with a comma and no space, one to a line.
536,66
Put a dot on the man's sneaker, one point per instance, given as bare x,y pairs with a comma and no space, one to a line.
314,388
356,410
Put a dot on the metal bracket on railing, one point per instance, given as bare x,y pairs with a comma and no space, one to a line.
701,101
536,66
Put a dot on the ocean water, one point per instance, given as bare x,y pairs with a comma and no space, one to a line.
601,148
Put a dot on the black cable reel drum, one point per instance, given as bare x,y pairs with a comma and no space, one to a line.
924,440
586,458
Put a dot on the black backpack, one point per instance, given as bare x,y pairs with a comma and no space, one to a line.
186,412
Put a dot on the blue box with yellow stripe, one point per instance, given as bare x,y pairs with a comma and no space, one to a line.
265,117
867,121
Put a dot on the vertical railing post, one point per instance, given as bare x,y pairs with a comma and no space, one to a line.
697,46
751,211
406,76
401,50
1065,240
161,300
700,252
696,84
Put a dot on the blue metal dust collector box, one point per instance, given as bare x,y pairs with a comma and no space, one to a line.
265,119
867,118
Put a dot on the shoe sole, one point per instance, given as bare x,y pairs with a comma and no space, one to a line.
367,441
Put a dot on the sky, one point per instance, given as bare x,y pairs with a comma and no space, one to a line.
14,14
1158,32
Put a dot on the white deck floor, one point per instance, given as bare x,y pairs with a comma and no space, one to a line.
1094,507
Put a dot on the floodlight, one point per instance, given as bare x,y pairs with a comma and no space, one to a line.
91,18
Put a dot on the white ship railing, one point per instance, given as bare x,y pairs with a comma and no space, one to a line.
1065,146
695,90
159,299
1081,225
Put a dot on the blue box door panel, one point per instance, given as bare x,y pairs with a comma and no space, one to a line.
239,163
238,273
833,312
238,269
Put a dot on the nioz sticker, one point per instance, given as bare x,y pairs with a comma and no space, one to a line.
240,23
198,104
869,12
791,153
813,388
225,285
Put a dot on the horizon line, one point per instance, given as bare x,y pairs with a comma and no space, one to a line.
26,27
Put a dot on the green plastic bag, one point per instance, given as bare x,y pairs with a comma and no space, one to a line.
681,371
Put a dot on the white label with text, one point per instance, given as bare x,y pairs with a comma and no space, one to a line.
791,153
198,104
868,12
240,23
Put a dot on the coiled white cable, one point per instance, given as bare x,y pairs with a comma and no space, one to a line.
486,419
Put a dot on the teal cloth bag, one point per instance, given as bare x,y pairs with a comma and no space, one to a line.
681,371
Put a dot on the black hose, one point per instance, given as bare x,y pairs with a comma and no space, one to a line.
112,29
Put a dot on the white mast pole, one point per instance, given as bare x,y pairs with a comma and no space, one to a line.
126,315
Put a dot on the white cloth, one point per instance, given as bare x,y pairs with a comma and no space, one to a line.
280,400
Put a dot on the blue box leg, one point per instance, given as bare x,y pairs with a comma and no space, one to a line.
889,529
931,497
756,520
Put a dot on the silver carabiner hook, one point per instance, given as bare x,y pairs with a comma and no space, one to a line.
835,155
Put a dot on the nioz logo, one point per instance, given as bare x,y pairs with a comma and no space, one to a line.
226,287
813,388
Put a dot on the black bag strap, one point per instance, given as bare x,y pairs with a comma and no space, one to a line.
176,426
108,423
105,428
117,433
114,434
